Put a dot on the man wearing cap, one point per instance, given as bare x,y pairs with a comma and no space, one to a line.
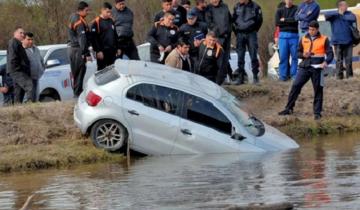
124,19
316,53
194,32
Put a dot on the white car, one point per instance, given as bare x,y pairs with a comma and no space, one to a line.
56,82
159,110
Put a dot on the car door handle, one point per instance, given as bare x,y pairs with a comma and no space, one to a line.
133,112
186,132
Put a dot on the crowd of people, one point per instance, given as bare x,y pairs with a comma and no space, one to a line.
198,40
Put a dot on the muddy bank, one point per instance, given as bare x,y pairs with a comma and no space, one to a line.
39,136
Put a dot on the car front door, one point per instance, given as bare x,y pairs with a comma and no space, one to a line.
152,112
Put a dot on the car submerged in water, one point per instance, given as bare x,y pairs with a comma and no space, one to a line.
159,110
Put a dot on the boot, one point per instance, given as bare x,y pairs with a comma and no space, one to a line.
239,79
256,79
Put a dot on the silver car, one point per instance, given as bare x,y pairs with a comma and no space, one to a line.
159,110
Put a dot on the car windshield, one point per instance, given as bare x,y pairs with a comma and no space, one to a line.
43,53
251,123
2,60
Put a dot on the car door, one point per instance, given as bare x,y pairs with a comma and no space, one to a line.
203,129
152,112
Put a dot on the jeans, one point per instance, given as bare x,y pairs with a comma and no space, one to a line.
247,41
344,53
288,45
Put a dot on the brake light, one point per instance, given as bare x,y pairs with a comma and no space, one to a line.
92,99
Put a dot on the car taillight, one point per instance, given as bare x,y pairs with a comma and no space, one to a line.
92,99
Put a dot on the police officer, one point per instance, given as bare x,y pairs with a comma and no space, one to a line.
78,33
200,8
104,37
317,53
124,19
166,6
219,20
163,38
247,18
211,58
194,32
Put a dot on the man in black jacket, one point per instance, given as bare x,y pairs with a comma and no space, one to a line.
166,6
18,67
163,38
247,20
219,20
78,33
7,87
194,32
288,39
104,37
124,19
200,8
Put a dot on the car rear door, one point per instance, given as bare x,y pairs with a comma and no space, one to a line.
152,112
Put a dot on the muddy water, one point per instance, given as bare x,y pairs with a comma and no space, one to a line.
323,174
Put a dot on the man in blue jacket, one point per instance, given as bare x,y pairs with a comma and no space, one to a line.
341,23
308,11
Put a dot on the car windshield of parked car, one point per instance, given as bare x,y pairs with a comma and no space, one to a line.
2,60
251,123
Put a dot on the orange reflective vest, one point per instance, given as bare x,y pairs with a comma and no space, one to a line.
316,47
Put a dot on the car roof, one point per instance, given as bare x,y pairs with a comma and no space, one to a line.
48,47
152,71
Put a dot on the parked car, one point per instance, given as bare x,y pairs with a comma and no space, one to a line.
160,110
325,28
144,54
55,84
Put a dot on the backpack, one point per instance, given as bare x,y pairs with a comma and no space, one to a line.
355,35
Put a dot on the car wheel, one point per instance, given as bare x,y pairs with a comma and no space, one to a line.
47,99
109,135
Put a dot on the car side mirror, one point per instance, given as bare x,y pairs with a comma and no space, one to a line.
53,63
236,136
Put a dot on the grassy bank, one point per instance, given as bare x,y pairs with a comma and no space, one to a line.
40,136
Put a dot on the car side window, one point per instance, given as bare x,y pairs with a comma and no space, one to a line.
61,55
205,113
155,96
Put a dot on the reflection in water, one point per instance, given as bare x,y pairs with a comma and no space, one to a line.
322,174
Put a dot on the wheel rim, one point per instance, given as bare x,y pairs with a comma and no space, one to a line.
109,135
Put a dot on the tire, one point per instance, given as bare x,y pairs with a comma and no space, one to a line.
45,99
109,135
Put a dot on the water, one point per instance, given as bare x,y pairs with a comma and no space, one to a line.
323,174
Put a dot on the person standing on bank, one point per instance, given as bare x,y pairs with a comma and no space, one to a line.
219,20
167,7
308,11
200,8
288,40
211,58
104,38
316,54
163,38
78,50
247,18
18,67
124,20
37,66
341,22
179,58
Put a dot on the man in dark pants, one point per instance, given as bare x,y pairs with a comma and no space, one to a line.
317,53
78,33
18,67
341,22
163,38
124,19
104,38
194,32
211,58
219,20
7,87
247,20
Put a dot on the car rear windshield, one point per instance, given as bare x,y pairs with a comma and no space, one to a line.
106,75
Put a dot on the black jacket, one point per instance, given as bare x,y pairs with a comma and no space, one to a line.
190,32
219,20
210,60
161,35
247,17
201,14
103,35
124,21
183,14
7,82
290,24
17,60
78,33
178,21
